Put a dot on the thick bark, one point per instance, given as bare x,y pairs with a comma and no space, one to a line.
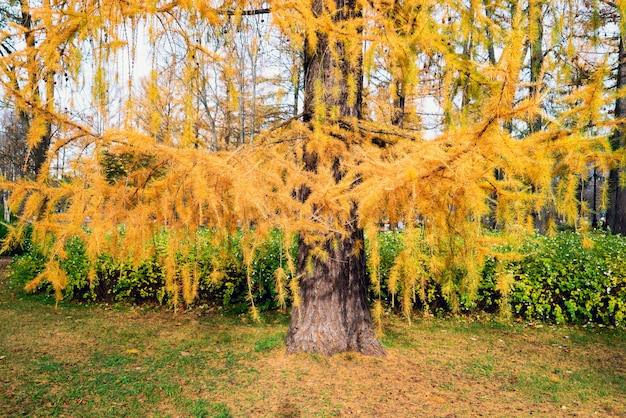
616,212
333,315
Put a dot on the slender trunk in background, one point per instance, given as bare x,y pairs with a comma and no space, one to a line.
616,211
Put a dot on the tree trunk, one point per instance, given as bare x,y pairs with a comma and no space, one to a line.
536,58
399,105
320,65
616,212
39,154
333,315
543,216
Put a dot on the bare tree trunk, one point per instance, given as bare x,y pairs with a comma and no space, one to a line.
39,154
536,58
399,105
541,217
334,314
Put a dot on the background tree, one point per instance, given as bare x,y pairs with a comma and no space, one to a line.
32,76
13,151
616,210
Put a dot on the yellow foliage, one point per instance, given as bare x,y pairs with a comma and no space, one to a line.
128,185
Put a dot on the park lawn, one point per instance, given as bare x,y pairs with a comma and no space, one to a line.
113,361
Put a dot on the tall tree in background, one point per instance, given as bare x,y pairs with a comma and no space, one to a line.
616,210
329,174
13,154
33,78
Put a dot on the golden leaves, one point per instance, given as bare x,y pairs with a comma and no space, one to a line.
130,188
53,273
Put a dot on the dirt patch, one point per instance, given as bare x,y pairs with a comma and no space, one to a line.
354,385
4,264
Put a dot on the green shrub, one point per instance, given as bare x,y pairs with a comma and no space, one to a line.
144,282
557,279
563,281
76,267
231,290
26,267
269,257
390,245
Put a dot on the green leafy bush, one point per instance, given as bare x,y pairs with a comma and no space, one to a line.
116,281
426,296
222,273
141,283
76,267
25,267
563,281
568,278
231,290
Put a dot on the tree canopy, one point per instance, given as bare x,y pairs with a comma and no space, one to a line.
317,117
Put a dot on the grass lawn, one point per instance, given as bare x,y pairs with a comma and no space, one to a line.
110,361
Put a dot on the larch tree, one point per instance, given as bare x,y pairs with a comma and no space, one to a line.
353,157
334,314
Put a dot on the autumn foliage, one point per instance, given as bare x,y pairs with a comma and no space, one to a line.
457,132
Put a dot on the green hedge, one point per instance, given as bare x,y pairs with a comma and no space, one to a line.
555,279
561,280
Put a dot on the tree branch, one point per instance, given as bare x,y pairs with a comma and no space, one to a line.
243,12
228,12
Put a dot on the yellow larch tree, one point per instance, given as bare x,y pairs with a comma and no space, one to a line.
374,75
